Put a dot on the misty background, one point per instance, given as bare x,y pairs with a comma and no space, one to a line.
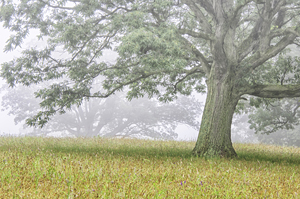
15,125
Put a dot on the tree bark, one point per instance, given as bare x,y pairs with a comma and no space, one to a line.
214,139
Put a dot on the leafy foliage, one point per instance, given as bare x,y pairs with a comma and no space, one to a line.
151,59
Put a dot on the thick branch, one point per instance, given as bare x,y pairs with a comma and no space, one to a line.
257,59
199,14
260,37
250,42
207,6
274,91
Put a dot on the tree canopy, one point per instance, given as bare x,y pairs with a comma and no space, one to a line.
165,47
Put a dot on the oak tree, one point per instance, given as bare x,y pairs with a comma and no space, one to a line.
165,47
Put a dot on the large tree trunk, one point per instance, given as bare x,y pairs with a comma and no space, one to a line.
214,138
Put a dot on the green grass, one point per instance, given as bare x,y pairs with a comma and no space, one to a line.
130,168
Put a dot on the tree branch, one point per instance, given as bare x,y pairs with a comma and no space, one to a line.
207,6
57,7
259,39
199,14
247,45
192,71
257,59
195,34
199,55
274,91
141,75
239,7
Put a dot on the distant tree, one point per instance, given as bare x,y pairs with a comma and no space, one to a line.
279,119
269,121
282,137
110,117
275,115
165,47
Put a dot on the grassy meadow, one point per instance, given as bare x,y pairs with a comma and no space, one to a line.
130,168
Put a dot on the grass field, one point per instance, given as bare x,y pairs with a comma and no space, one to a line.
130,168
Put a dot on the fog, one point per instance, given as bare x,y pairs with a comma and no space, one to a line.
7,122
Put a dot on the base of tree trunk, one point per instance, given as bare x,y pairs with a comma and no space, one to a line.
227,152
